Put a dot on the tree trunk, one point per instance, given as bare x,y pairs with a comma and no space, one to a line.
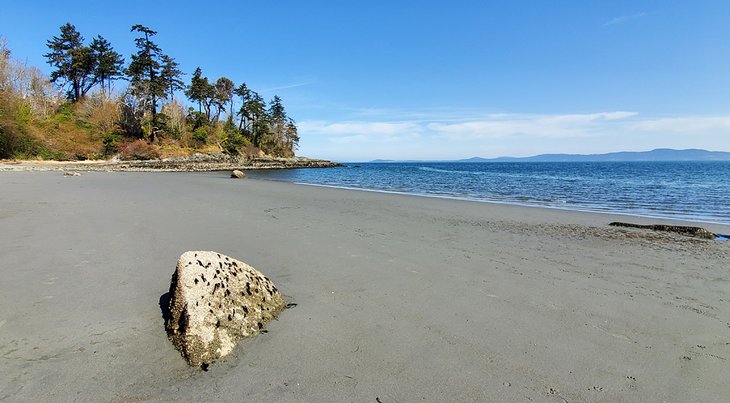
153,108
76,90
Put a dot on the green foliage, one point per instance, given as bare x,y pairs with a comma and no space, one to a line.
196,119
74,62
170,75
34,123
165,128
17,142
259,131
110,142
23,113
223,95
201,134
44,152
276,110
64,113
202,92
146,79
13,140
108,62
234,141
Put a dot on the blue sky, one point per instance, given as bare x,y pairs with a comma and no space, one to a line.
441,80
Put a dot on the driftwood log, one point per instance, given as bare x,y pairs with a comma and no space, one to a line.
679,229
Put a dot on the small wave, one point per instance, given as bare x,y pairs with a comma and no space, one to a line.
449,171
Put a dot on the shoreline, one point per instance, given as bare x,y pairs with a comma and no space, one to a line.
398,297
185,165
212,163
679,220
194,163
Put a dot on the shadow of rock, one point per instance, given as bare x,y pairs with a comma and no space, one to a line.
165,307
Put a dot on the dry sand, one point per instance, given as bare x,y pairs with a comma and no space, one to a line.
399,298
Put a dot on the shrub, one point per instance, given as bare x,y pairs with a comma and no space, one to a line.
110,143
138,150
100,114
201,134
176,122
233,142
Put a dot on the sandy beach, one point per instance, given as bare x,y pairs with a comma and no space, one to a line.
399,298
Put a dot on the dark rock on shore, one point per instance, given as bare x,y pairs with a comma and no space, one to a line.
679,229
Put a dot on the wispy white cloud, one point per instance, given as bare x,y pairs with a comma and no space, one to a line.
516,134
685,124
361,132
350,128
515,125
287,86
624,18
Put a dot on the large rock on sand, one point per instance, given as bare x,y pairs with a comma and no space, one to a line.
236,174
216,300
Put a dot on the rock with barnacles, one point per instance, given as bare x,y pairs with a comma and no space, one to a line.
216,300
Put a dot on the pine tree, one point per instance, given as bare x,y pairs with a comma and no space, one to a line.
245,94
194,90
291,136
171,75
75,63
276,110
202,92
145,77
108,63
253,113
223,96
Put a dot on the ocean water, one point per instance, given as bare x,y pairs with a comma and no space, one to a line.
698,191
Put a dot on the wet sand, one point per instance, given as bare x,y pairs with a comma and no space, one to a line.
399,298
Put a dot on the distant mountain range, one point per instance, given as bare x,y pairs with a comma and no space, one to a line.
659,154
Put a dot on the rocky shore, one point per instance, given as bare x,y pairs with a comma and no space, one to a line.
195,162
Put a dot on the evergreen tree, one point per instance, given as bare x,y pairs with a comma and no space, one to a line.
276,138
253,112
223,95
202,92
195,90
292,136
108,63
171,75
75,63
144,72
259,117
245,94
276,110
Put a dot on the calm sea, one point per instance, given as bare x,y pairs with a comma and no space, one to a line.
698,191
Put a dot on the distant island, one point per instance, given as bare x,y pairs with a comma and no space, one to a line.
659,154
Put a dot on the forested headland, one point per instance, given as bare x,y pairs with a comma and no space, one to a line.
97,104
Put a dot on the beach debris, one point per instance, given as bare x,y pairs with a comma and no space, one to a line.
679,229
215,301
238,174
71,174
